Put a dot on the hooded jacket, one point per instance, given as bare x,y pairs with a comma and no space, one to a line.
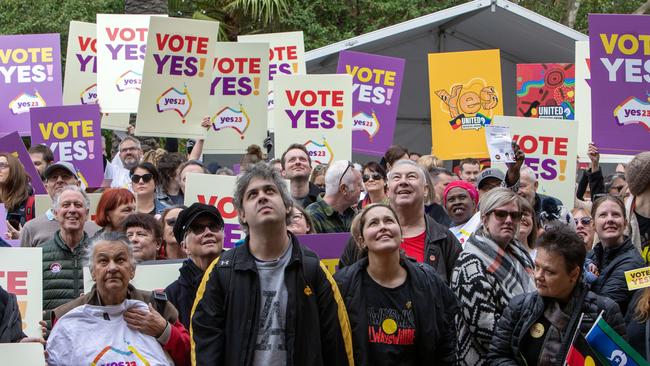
612,264
441,249
524,310
225,316
434,305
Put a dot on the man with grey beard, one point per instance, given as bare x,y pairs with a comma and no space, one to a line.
130,155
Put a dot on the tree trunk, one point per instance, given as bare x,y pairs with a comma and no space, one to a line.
569,18
146,6
643,8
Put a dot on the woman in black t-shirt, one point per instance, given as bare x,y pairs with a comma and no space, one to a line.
401,312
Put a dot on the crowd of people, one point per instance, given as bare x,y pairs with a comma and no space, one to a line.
474,267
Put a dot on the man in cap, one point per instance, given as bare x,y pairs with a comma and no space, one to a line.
199,230
489,179
43,227
269,301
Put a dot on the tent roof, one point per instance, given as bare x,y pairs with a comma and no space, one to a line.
520,33
523,36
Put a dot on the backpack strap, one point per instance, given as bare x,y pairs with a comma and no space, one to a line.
30,208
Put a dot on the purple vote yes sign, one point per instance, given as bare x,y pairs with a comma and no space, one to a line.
377,82
12,144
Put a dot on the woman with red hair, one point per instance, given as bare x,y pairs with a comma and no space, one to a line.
114,206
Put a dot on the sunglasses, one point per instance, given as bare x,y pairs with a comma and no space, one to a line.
345,171
501,215
583,220
135,178
198,229
373,176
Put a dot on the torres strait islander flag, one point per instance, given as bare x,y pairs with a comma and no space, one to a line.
611,346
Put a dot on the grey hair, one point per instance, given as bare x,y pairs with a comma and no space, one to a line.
112,237
421,172
260,170
496,198
333,176
526,170
130,138
57,197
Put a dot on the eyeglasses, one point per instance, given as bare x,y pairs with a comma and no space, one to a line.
170,222
3,165
198,229
502,214
135,178
345,171
373,176
297,217
55,176
583,220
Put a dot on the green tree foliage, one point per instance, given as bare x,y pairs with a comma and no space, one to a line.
51,16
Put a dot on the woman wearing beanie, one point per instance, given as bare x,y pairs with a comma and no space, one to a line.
637,205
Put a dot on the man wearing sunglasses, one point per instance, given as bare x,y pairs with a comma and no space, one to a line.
296,166
199,231
269,301
43,227
333,213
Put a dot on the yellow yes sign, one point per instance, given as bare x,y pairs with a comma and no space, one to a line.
465,94
638,278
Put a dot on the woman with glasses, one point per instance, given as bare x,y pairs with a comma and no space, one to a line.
144,184
374,183
300,221
401,312
584,226
171,249
114,206
492,269
199,230
15,190
614,254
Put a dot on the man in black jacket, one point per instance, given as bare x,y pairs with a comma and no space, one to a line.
425,240
269,301
199,229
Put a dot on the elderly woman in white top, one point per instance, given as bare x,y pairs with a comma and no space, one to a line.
115,321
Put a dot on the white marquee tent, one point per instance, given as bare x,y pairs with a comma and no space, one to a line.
523,36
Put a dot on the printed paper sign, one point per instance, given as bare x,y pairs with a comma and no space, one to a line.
177,78
465,93
376,85
619,83
74,135
80,81
546,90
286,57
21,273
637,278
30,71
238,97
147,277
550,148
499,144
316,111
13,144
121,48
216,190
328,247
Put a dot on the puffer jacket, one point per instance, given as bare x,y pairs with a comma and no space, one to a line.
435,307
441,249
524,310
62,271
612,264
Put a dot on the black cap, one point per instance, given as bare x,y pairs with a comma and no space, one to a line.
187,216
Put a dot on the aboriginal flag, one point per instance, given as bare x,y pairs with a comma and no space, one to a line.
581,354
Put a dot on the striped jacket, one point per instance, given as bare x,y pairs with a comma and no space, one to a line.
225,316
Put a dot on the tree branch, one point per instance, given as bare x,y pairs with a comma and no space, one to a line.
643,8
